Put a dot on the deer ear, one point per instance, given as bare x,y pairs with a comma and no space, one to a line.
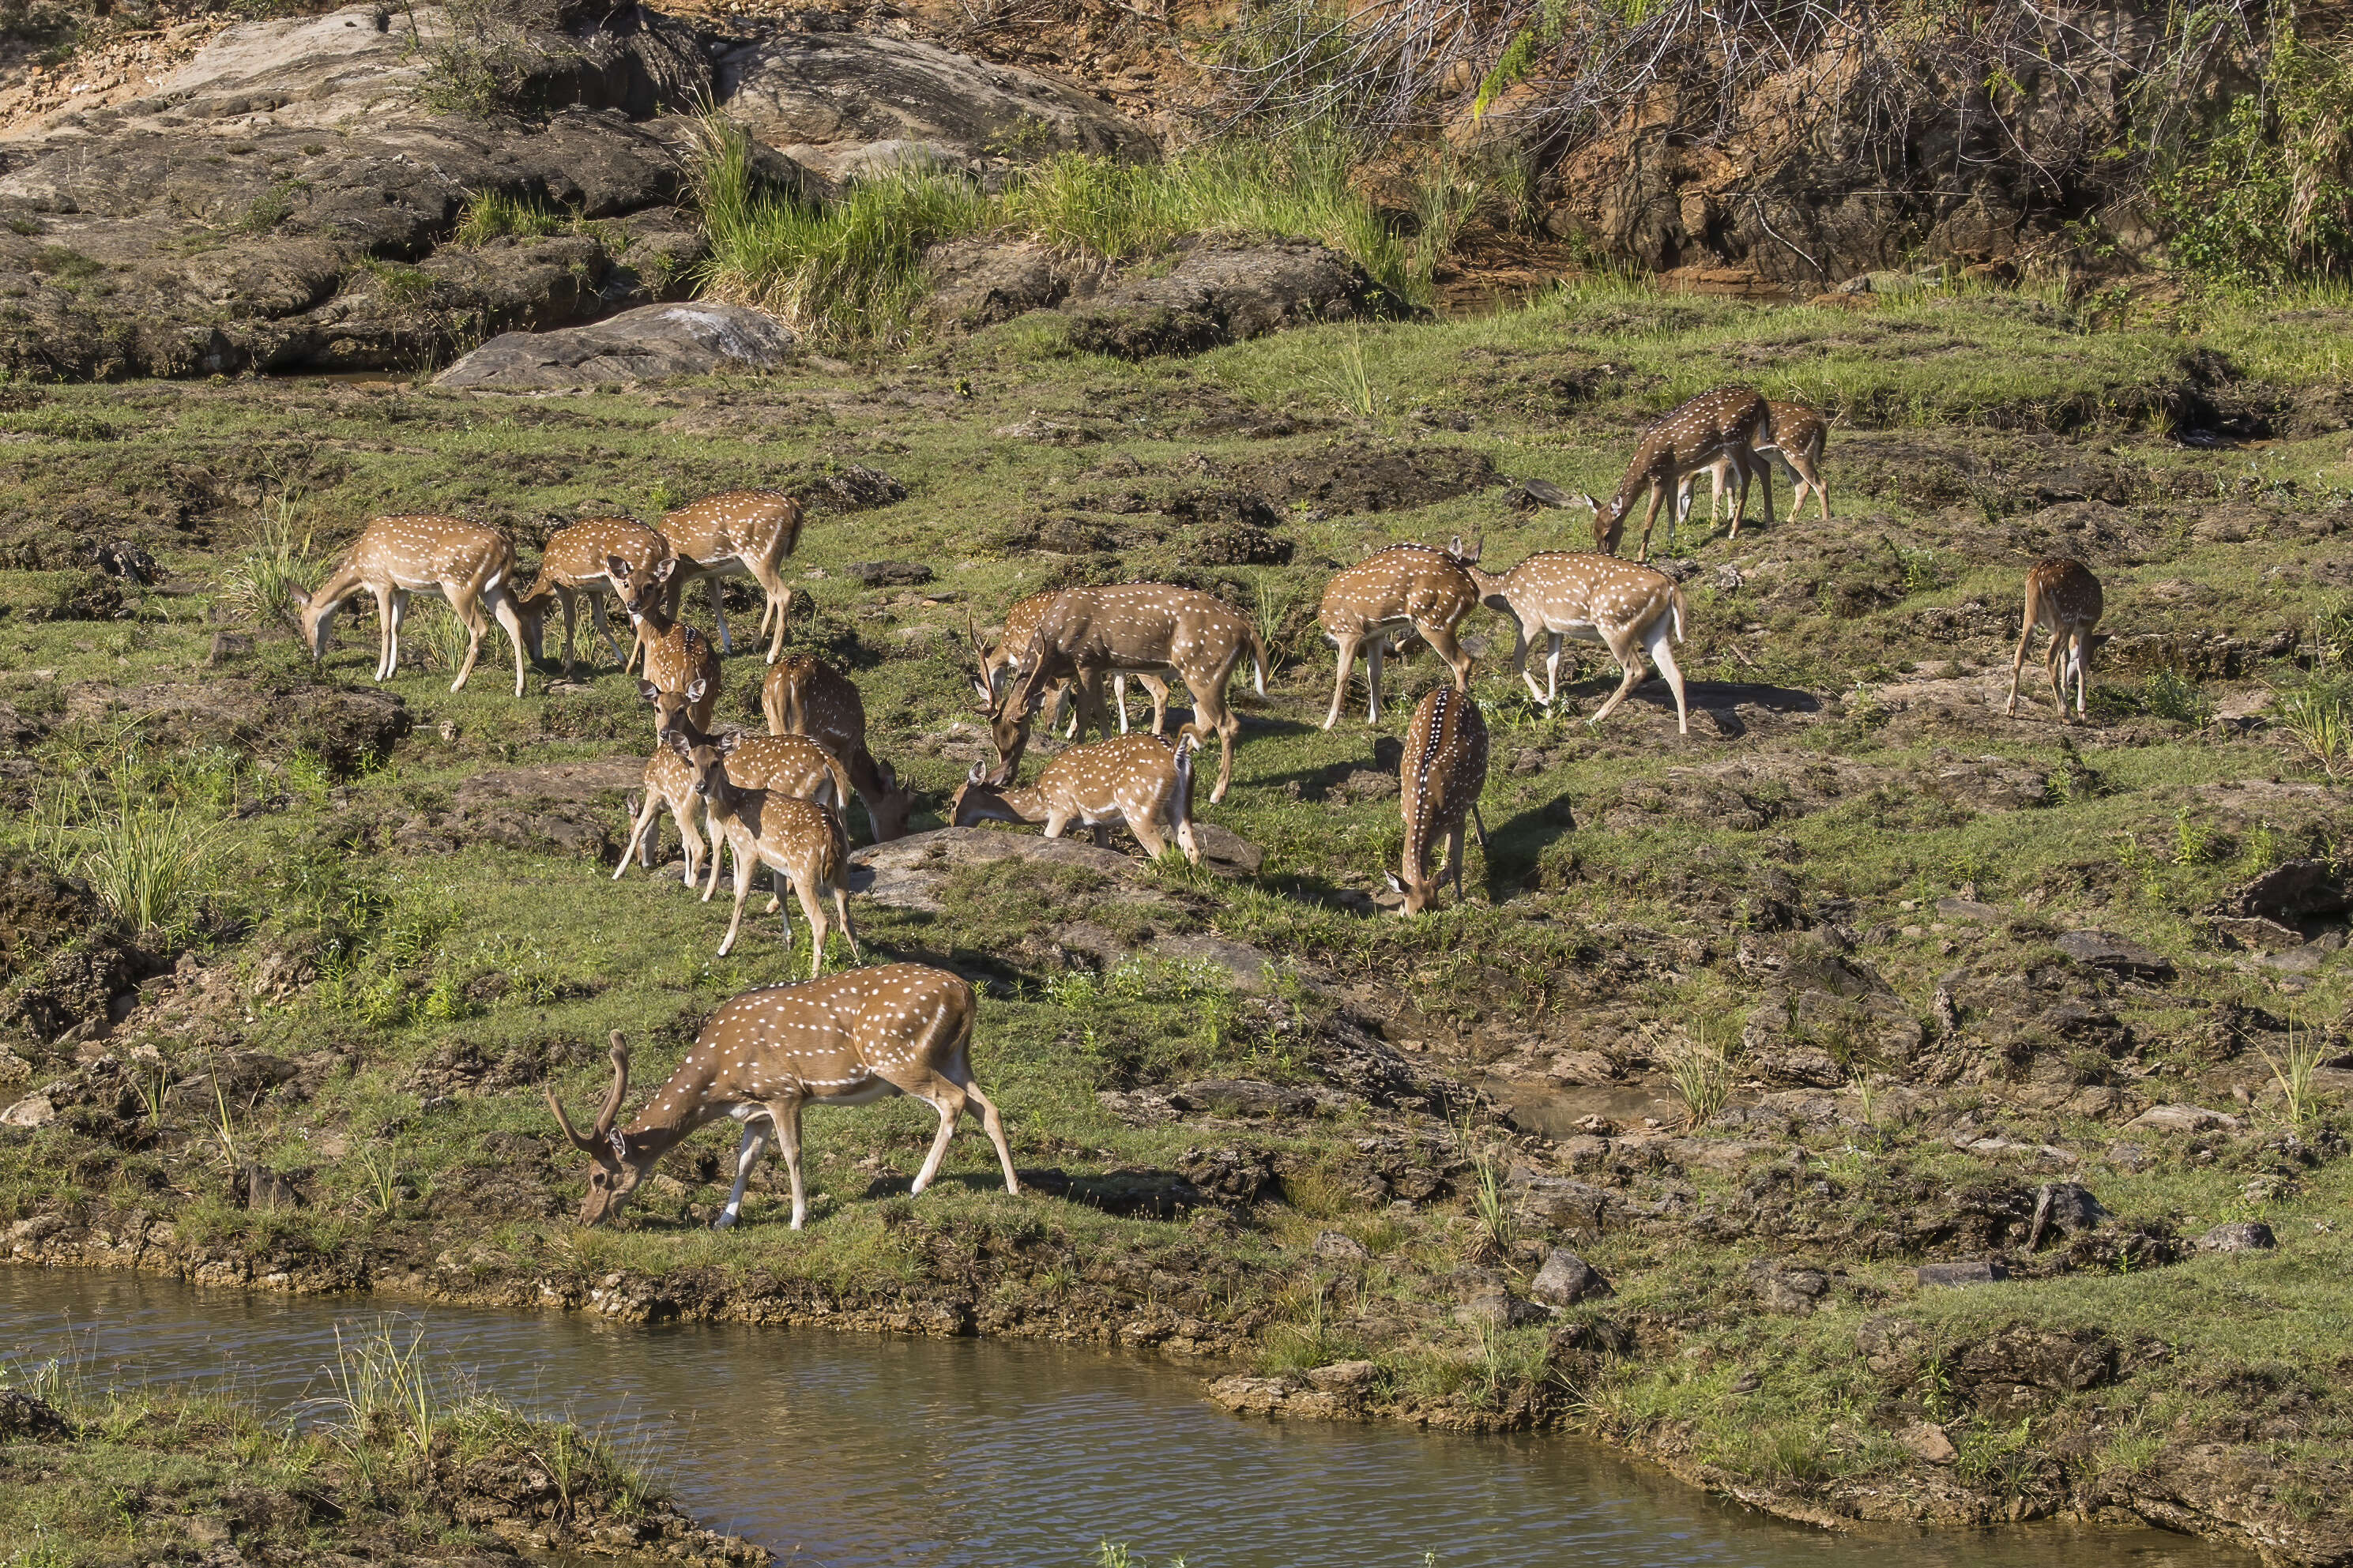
662,571
1588,501
677,742
616,567
977,773
729,741
696,687
1391,878
300,597
649,690
889,776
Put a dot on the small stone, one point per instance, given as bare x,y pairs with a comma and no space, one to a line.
2067,1207
890,574
33,1110
1967,909
1498,1310
2103,950
2184,1119
2259,933
2239,1235
2129,1157
1953,1274
1336,1245
1930,1443
228,645
1782,1287
1345,1376
1566,1279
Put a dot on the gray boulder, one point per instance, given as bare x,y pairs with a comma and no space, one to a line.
2239,1235
643,344
1227,294
850,105
1566,1279
2104,949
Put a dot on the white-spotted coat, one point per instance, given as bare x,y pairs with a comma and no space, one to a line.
1560,593
737,533
572,568
2064,596
1728,422
469,566
1131,780
1407,588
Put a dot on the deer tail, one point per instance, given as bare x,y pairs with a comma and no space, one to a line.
1257,662
1185,744
841,784
1675,608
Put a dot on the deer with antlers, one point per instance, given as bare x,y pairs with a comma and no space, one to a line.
678,658
1407,588
469,566
997,666
739,534
851,1039
2064,596
804,696
1625,607
1442,771
1727,423
1129,781
797,840
1798,436
573,567
1088,632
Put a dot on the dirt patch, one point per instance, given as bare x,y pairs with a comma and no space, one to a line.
345,727
566,808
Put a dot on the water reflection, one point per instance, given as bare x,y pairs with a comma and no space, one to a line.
847,1451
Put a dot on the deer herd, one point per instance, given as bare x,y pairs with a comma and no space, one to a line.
780,800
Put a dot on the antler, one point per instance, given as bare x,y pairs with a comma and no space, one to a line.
604,1118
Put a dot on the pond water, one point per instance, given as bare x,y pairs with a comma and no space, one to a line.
854,1451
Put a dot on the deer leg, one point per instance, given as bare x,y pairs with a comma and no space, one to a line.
948,1099
787,1119
1119,695
1442,641
841,912
804,889
1650,520
511,623
1660,639
603,629
2054,670
743,890
1159,691
1229,724
1101,831
1739,497
564,596
1630,660
2018,661
747,1155
780,600
1455,853
995,1124
1057,819
1185,839
391,609
1372,678
476,623
1347,647
2083,641
644,820
719,842
1553,645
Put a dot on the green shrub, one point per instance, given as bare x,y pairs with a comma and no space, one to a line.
494,214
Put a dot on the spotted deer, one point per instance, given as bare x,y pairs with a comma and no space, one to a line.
1130,781
1405,589
572,568
739,534
467,564
995,667
2064,596
1442,771
669,782
1090,632
848,1039
806,696
678,658
1799,436
1623,607
1729,422
796,838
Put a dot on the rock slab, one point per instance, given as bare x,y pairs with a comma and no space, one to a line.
1566,1279
644,345
2239,1235
1953,1274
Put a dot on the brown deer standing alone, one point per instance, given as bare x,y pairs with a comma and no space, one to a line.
1729,422
2064,596
468,565
1441,772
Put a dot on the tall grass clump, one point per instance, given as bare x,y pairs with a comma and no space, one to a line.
262,579
150,863
2319,714
1699,1070
494,214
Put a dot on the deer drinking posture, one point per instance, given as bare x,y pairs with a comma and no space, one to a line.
850,1039
1130,779
1442,771
1088,632
678,658
999,666
806,696
1799,434
469,566
2064,596
1406,586
739,534
572,568
1727,423
1625,607
796,838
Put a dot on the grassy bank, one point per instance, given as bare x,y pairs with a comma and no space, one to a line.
395,1462
385,929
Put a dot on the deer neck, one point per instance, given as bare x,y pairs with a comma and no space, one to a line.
1008,802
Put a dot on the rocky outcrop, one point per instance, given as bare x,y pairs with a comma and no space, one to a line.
644,345
850,105
1219,294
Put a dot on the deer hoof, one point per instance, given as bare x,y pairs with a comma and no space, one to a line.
725,1222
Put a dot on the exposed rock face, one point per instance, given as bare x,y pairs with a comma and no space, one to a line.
643,344
1219,294
849,105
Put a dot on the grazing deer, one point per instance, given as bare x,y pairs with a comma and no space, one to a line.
1090,632
806,696
796,838
1625,607
469,566
572,568
669,782
678,658
1406,586
1130,779
1728,422
1798,437
2064,596
851,1039
1442,771
998,665
739,534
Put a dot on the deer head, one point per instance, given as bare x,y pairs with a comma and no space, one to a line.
707,755
985,680
671,706
317,617
640,588
615,1173
1465,558
891,810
